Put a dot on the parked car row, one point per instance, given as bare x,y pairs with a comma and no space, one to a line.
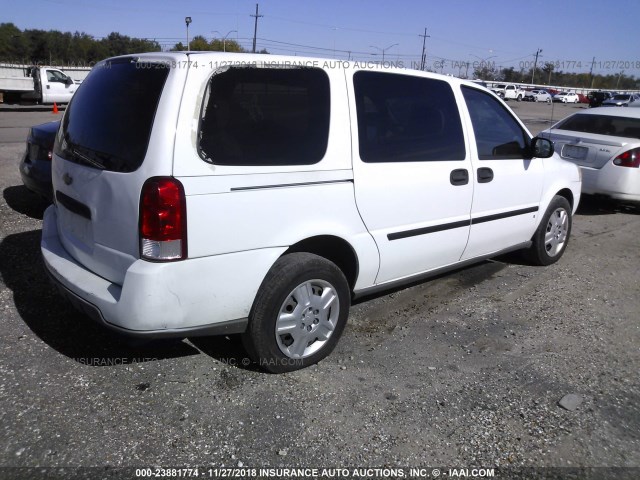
594,99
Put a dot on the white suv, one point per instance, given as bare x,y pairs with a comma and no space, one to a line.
209,193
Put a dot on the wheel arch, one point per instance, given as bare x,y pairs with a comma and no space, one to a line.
334,249
568,194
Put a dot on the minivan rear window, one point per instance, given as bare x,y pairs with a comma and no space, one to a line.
109,120
265,116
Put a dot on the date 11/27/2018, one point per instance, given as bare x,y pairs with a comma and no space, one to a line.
592,64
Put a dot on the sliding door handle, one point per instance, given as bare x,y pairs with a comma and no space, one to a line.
459,176
485,175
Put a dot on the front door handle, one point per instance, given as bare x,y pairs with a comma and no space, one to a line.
459,176
485,175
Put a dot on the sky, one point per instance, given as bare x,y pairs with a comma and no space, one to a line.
504,33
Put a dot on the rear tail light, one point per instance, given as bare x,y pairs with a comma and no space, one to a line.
630,158
163,220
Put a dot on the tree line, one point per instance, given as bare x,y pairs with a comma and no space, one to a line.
52,47
63,48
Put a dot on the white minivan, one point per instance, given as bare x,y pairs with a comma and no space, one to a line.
207,193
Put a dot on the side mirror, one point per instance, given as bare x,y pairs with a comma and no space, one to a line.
541,147
68,82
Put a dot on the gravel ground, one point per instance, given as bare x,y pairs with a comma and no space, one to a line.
466,370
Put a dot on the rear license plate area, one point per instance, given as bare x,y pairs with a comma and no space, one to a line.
574,152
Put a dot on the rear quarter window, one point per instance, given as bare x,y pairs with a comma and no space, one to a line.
265,116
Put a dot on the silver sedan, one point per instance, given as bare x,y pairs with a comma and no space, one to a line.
622,100
605,144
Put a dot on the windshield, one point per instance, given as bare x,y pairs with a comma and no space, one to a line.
108,122
622,97
602,125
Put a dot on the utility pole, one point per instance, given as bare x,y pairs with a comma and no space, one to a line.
255,28
535,64
423,61
591,72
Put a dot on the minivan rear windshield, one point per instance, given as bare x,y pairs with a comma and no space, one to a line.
108,122
602,125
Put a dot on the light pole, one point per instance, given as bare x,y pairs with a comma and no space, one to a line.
384,49
187,21
224,39
535,64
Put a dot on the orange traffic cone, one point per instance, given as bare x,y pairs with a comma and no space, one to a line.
55,108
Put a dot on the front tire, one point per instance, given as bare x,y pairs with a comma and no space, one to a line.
299,313
552,236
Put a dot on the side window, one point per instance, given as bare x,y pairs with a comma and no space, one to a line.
498,134
265,116
55,76
402,118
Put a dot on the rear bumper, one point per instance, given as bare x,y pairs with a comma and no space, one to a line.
620,183
94,313
202,296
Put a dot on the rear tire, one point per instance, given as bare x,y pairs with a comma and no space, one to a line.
552,236
298,314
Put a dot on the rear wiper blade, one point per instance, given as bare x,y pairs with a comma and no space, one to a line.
87,160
